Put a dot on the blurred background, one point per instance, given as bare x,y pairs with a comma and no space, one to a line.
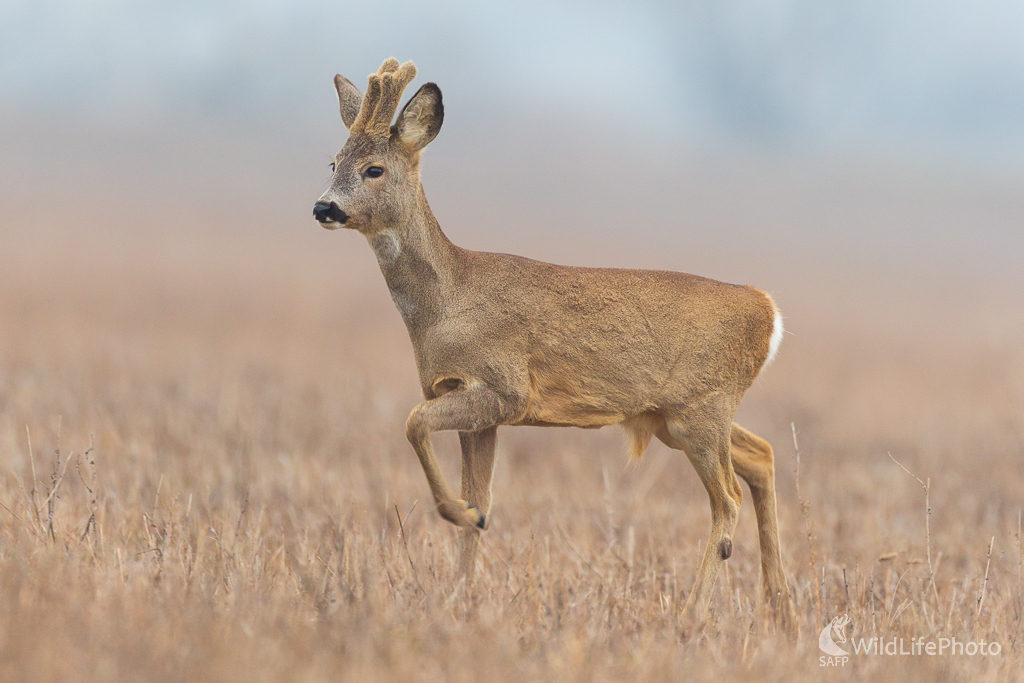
891,129
861,160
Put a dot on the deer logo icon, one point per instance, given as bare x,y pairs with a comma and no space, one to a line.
825,642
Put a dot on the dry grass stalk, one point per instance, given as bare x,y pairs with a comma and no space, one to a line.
805,511
927,526
984,585
405,542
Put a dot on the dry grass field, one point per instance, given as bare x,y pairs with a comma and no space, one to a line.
203,467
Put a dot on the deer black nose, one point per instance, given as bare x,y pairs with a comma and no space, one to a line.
328,213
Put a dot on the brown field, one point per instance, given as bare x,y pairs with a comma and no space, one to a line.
218,464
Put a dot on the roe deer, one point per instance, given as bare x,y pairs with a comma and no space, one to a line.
505,340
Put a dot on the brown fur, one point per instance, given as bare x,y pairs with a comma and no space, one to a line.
506,340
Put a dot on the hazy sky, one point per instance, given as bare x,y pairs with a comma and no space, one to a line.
918,74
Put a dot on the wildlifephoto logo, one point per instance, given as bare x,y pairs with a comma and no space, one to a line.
834,635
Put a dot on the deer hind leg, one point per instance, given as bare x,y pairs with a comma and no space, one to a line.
477,470
754,461
467,409
706,444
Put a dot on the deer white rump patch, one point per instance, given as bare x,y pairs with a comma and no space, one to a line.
777,331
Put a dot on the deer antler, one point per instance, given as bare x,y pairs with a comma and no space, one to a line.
383,95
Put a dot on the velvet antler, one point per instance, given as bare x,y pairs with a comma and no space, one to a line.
383,95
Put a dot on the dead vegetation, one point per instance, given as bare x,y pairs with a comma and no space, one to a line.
217,457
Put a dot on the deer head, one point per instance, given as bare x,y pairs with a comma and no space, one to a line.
376,182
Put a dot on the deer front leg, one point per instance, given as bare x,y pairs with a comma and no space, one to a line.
466,409
477,470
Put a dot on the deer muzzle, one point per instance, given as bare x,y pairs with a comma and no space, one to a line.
329,213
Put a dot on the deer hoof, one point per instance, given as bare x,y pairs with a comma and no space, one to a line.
460,513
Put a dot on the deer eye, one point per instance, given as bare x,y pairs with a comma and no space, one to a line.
332,167
374,172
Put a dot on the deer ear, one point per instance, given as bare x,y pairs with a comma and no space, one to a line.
348,98
421,118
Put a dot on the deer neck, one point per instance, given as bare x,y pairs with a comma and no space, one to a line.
419,264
